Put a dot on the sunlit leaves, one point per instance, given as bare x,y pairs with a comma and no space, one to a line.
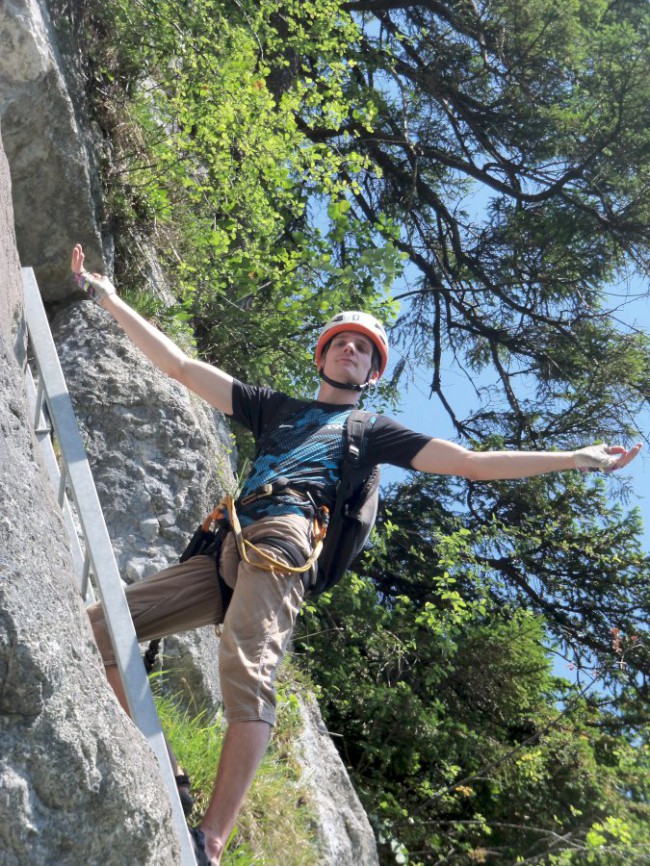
210,156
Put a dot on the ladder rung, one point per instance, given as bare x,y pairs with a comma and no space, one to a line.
63,482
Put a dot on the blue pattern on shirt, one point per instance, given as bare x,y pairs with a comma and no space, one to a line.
307,449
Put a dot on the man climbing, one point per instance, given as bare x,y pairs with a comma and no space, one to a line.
293,478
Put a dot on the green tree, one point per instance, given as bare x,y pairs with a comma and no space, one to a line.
552,545
205,154
435,673
512,146
285,154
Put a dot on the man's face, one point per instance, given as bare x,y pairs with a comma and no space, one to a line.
349,358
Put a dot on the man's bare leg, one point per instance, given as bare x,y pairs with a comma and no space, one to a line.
243,748
115,682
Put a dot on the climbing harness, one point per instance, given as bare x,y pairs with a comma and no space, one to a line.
210,534
339,535
266,562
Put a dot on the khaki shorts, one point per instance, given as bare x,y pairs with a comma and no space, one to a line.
257,626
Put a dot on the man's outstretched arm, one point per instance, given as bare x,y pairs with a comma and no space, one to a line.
446,458
208,382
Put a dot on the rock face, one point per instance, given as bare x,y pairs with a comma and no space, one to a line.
53,173
344,832
70,760
160,459
55,188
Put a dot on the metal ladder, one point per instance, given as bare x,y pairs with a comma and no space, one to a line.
54,419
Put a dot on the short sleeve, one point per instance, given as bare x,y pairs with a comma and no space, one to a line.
253,407
391,442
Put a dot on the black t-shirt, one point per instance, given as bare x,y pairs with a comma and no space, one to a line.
307,447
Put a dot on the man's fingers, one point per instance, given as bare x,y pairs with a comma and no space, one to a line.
77,262
625,456
604,458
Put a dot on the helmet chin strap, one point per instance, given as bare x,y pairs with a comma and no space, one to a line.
344,386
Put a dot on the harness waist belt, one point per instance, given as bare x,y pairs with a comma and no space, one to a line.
279,486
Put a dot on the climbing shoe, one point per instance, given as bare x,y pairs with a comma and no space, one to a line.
187,800
198,840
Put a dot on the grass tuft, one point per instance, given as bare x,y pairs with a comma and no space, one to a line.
277,823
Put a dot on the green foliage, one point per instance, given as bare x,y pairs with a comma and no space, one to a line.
207,153
174,319
512,140
434,669
289,159
551,545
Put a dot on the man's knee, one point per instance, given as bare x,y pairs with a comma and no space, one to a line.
102,636
247,687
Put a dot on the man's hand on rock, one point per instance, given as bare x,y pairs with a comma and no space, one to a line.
97,286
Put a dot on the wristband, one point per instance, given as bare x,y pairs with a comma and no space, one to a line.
97,288
594,458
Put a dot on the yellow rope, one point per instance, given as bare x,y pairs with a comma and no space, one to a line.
267,562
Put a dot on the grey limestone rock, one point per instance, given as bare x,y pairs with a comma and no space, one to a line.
159,455
344,832
161,460
78,782
56,200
